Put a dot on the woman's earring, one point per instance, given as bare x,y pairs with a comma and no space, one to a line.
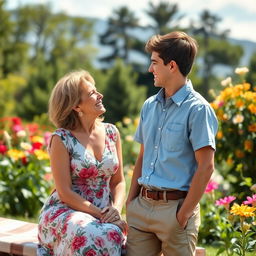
80,113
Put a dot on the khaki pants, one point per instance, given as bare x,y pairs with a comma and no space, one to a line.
154,229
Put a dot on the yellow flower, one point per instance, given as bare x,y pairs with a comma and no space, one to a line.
136,121
219,135
229,161
248,145
15,154
252,108
127,120
37,139
41,155
238,119
243,210
241,71
129,138
130,172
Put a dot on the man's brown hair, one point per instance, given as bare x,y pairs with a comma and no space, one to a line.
177,46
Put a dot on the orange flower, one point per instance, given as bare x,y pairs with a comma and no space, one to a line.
239,103
252,128
239,153
230,161
252,108
248,145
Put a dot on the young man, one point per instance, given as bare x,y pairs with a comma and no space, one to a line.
177,135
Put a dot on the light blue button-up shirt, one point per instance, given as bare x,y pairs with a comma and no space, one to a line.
171,130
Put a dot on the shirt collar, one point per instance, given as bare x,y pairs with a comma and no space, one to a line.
179,96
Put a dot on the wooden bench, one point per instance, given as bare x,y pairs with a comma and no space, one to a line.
20,238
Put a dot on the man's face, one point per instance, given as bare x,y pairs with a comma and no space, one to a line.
160,71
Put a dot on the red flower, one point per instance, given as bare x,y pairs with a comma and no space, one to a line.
24,160
99,194
36,145
91,252
88,172
113,235
3,149
78,242
57,213
16,121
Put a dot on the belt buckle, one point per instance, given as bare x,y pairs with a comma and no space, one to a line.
146,194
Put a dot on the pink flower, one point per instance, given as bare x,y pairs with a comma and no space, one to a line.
47,138
88,172
78,242
99,241
211,186
113,235
91,252
225,201
251,200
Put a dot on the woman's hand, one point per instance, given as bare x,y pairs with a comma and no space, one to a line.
122,225
110,214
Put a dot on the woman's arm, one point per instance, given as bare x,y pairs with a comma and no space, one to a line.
117,188
60,165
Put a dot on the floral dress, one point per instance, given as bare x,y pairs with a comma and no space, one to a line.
63,231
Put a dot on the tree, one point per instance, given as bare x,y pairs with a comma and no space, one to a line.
122,97
251,76
117,35
215,48
165,16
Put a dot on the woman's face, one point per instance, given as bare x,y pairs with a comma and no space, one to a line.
91,100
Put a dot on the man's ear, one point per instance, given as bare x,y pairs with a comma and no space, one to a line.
172,65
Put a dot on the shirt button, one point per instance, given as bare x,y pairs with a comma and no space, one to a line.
159,128
152,163
155,147
147,177
164,109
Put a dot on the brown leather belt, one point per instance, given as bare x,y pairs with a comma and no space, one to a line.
163,195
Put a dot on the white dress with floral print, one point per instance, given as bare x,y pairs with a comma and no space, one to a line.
64,231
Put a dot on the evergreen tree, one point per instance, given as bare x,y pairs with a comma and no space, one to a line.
214,49
117,35
251,76
165,16
122,97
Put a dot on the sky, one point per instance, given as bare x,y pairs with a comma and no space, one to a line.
237,15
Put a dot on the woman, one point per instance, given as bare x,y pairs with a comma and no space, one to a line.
82,216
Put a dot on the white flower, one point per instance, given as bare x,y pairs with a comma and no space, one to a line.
241,71
5,162
7,137
25,146
226,81
238,119
21,133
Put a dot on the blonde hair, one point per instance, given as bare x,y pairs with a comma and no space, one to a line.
65,96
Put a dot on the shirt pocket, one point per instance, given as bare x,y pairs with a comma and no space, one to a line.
173,139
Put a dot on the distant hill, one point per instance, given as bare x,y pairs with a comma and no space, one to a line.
101,25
